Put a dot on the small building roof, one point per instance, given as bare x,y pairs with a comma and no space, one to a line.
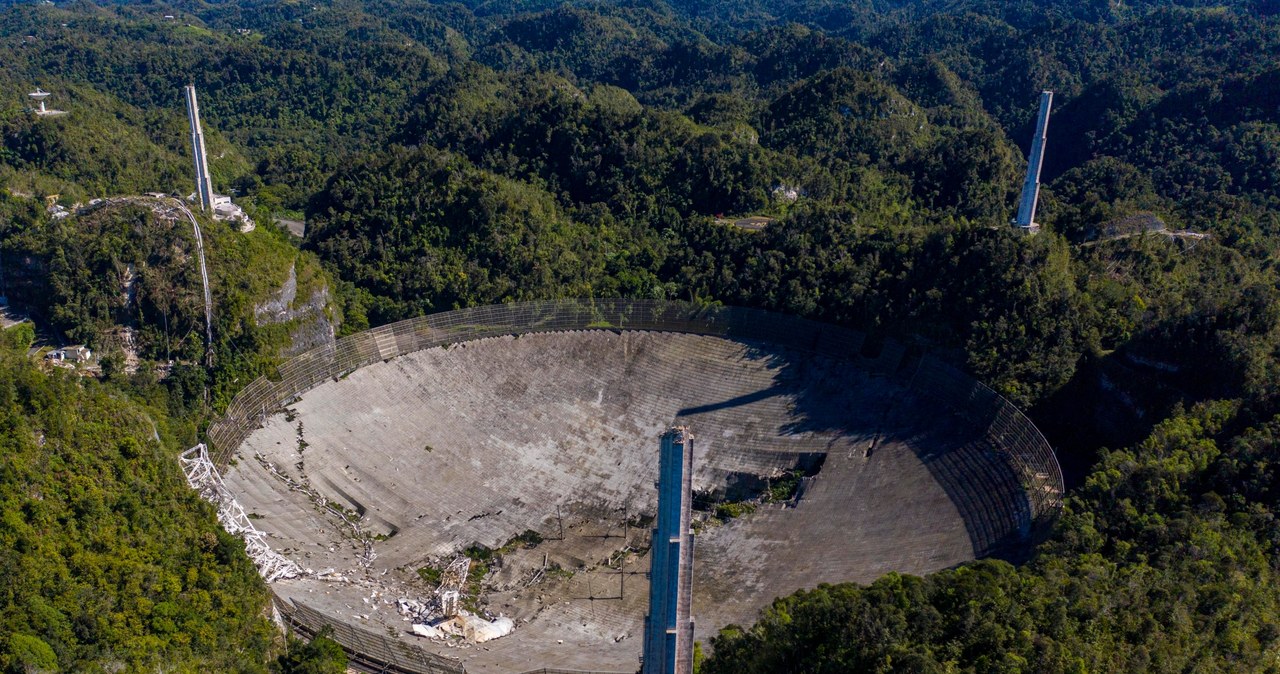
754,223
78,352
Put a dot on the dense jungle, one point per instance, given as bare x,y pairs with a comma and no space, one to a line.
452,154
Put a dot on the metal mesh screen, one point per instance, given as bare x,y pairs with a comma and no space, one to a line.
306,371
372,652
1006,427
1003,425
367,650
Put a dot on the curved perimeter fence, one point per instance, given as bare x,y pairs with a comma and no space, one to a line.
373,652
1007,429
367,651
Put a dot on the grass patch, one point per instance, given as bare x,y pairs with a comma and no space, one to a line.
554,570
728,511
478,553
785,488
528,539
430,575
475,578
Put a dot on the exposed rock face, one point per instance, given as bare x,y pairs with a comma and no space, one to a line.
311,324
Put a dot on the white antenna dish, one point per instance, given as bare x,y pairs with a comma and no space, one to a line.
39,95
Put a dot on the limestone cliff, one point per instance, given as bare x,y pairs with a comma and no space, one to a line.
309,317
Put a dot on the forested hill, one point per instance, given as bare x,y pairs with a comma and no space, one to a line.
110,562
453,154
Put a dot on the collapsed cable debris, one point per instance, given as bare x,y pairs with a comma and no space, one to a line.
203,477
319,500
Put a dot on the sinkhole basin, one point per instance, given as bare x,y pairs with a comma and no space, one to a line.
470,428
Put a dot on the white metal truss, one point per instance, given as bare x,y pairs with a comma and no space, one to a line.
203,477
452,580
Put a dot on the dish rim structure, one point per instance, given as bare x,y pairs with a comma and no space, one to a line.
1008,430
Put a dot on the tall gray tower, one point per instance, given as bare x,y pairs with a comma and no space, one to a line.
668,629
204,184
1031,187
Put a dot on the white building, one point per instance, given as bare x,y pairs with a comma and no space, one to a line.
71,354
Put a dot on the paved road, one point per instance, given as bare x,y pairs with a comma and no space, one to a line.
297,228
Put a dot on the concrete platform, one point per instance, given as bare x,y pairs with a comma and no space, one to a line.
558,433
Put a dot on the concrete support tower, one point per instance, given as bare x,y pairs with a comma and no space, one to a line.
668,629
1031,187
204,184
